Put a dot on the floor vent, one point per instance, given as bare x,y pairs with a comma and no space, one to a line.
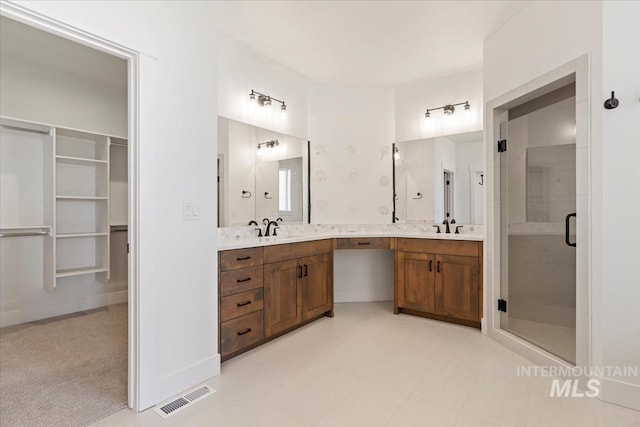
176,405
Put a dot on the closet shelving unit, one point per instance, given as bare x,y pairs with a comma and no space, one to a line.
55,203
82,203
27,216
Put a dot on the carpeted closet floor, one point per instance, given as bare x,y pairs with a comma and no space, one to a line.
65,371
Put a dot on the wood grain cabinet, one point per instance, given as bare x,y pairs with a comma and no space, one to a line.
297,289
265,292
440,279
241,300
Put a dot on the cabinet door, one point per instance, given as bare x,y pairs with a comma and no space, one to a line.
415,281
457,287
282,297
317,295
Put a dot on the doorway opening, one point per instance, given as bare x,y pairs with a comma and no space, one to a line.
79,121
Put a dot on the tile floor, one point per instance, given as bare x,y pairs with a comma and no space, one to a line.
368,367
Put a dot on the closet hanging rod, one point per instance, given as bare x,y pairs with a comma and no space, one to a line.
41,132
31,233
119,145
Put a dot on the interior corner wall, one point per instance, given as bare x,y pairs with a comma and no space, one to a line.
621,200
241,70
412,101
351,132
177,154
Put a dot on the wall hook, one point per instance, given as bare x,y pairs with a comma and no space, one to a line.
481,179
246,194
612,102
418,196
266,195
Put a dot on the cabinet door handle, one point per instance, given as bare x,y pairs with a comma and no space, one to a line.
299,271
243,280
244,332
243,258
430,265
242,304
364,243
438,267
306,270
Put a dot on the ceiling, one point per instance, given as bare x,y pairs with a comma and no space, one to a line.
366,43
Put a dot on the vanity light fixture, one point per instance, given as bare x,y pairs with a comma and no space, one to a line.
448,109
269,144
265,100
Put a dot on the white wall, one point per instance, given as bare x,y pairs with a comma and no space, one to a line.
52,80
529,53
177,129
351,132
412,101
242,70
621,197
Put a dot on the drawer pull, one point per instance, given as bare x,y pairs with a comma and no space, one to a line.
242,304
243,258
244,332
243,280
364,243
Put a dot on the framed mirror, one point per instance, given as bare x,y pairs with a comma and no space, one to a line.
261,174
440,177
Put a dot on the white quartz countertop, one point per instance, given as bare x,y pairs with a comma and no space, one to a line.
243,242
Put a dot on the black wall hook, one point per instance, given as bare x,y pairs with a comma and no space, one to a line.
612,102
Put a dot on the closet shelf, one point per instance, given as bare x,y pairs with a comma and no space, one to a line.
80,271
72,235
81,198
79,160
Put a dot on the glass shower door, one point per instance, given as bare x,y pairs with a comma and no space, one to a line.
538,209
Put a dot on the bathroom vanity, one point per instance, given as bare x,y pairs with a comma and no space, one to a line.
272,286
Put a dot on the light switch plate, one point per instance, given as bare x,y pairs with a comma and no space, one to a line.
191,211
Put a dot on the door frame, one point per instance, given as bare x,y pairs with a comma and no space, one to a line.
41,22
496,113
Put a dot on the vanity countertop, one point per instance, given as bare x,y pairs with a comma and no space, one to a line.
239,240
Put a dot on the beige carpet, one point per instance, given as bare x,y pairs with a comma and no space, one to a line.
66,371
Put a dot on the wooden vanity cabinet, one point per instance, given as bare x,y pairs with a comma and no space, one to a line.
241,300
440,279
297,289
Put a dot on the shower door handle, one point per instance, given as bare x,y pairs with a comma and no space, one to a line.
567,221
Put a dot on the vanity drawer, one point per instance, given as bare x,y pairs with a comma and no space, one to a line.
289,251
444,247
237,305
234,281
364,243
241,258
242,332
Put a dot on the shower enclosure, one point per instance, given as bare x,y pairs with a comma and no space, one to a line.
537,220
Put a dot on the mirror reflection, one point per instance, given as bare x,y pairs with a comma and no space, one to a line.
439,178
261,174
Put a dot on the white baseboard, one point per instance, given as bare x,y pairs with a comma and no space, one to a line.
45,311
620,392
178,381
363,296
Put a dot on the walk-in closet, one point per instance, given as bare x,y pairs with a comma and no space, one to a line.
63,229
